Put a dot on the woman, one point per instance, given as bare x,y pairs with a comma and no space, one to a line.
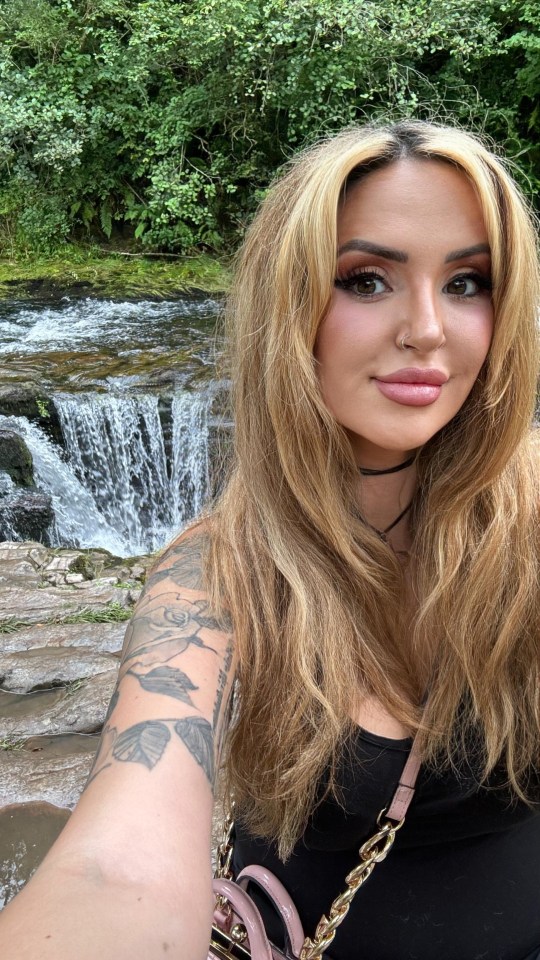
370,571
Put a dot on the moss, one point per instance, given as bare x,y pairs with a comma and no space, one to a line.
94,271
83,564
15,458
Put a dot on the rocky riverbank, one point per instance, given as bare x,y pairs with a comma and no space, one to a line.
63,616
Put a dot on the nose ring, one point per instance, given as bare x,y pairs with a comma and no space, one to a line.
402,344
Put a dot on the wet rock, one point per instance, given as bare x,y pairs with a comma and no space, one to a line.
29,400
15,458
74,578
33,552
61,562
80,708
100,637
62,565
57,681
6,484
131,570
85,566
30,513
26,834
48,667
19,400
134,595
19,601
48,769
18,570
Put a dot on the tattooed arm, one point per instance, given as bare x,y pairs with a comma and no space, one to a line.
130,874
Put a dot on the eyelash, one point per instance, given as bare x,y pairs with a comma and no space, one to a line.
347,282
483,283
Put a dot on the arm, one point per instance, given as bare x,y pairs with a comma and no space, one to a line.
130,875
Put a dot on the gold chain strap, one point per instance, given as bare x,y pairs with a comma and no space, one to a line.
371,852
225,848
224,855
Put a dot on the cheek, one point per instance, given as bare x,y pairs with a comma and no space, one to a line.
471,338
480,341
347,333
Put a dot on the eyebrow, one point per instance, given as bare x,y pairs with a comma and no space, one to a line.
386,253
467,252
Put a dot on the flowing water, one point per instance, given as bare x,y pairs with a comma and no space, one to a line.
134,396
128,414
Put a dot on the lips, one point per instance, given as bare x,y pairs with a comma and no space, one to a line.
415,375
412,386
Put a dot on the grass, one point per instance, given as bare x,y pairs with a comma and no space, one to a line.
11,743
12,624
113,273
74,685
112,613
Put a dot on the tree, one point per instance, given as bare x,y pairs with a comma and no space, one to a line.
165,121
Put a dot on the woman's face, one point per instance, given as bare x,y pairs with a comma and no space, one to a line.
413,263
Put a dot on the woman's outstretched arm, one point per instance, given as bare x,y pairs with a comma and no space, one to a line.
130,876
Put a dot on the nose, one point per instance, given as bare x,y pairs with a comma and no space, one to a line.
423,327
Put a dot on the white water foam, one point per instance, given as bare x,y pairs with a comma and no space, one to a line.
77,522
116,448
82,324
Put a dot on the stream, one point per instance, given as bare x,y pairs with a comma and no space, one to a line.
119,407
131,401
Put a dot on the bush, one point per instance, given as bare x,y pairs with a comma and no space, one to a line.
163,121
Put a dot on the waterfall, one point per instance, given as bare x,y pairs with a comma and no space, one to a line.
190,465
77,521
122,482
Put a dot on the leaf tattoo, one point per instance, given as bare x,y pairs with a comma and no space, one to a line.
114,700
197,736
168,681
142,743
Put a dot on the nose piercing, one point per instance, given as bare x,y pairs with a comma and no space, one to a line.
402,344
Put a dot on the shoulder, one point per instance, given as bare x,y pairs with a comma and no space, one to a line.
181,563
175,601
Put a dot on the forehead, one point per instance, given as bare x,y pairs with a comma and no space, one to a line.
410,196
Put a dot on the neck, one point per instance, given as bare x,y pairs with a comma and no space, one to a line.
383,497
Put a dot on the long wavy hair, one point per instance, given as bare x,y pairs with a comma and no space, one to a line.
317,600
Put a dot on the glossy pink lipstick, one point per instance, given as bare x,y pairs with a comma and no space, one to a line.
412,386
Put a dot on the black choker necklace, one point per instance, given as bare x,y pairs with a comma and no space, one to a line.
368,472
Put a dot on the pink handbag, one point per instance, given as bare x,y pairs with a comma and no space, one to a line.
238,931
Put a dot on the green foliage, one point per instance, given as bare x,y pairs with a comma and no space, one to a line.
11,743
112,613
159,123
43,408
113,274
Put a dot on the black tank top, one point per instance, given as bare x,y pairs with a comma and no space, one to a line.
462,881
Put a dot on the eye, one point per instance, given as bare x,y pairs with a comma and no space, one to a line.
468,285
363,283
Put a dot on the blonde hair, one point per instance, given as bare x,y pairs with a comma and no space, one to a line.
317,600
